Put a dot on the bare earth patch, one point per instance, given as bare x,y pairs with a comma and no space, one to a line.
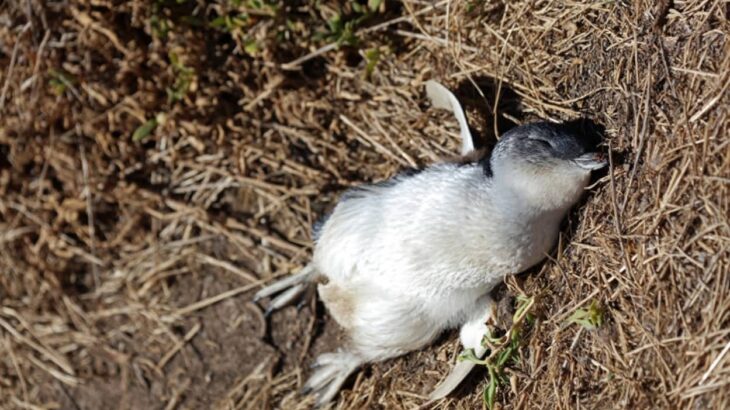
161,160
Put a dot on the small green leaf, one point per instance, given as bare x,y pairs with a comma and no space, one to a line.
490,392
348,37
335,24
523,304
372,57
144,130
57,86
469,356
230,23
183,79
174,59
530,319
219,22
374,5
60,81
251,47
590,319
503,357
160,26
269,8
472,5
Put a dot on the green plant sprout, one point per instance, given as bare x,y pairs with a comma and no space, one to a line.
343,30
144,130
502,350
148,126
590,318
372,57
184,76
238,25
231,23
60,81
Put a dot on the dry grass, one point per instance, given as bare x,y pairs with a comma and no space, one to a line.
127,267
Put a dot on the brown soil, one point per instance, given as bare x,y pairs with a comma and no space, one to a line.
130,249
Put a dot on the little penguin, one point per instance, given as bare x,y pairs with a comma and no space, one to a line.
398,262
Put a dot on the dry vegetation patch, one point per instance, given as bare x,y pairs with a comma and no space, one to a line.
160,160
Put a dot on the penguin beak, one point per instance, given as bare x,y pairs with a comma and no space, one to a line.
591,161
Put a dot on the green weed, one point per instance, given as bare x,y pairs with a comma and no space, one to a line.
238,24
342,28
145,129
372,57
184,77
503,350
590,318
160,24
231,23
148,127
60,81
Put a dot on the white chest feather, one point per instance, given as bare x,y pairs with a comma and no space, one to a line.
446,231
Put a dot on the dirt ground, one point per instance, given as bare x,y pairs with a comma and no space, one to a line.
161,160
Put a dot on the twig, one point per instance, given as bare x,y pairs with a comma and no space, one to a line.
215,299
179,345
715,362
11,67
227,266
59,361
89,213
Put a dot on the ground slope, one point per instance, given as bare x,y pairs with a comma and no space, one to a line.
160,160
